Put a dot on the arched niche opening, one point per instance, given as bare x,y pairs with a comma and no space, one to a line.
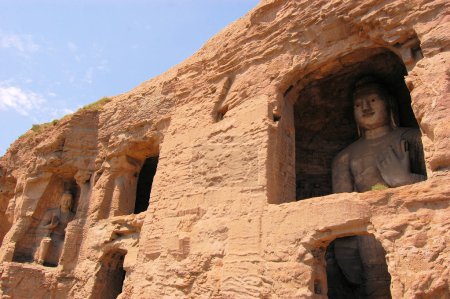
144,184
356,268
44,238
323,114
111,275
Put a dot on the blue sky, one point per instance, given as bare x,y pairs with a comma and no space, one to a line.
57,56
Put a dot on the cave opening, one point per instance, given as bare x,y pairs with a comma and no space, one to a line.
323,116
111,275
144,184
356,268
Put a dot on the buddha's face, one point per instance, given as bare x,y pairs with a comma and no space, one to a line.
66,201
371,110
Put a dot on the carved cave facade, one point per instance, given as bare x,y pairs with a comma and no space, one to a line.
118,202
214,180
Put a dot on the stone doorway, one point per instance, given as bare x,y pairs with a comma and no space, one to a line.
323,115
356,268
144,184
110,276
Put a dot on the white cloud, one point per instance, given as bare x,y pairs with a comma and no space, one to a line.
89,75
22,42
22,101
29,104
47,113
72,46
103,65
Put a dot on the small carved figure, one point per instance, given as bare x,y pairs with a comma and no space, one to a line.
384,156
53,227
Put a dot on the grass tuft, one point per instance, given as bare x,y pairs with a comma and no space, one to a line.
97,105
379,187
37,128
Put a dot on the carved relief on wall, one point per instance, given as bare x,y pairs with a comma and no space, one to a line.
40,237
51,231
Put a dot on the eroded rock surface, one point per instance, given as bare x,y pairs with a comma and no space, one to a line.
238,130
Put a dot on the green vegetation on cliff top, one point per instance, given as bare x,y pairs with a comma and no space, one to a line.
95,106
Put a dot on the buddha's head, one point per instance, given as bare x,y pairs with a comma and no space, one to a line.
66,201
372,105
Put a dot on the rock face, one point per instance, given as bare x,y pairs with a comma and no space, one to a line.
238,132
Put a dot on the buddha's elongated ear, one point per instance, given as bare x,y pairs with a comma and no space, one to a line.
360,134
393,111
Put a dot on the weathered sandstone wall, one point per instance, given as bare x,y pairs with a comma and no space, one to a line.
223,221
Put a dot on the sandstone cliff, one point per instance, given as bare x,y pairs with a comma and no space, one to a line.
223,220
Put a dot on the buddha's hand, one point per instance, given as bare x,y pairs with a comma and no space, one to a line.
54,223
395,170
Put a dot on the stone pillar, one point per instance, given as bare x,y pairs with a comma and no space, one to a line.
74,230
125,172
281,153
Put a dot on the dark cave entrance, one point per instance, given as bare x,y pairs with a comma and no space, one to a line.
356,268
323,116
144,184
111,275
